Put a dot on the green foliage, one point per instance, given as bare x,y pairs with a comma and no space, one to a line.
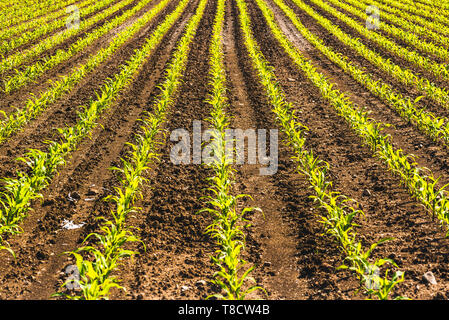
19,14
338,222
42,29
421,186
36,105
43,165
405,76
228,223
96,279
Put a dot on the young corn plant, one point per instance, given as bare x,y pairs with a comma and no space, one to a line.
96,275
228,223
34,106
43,165
368,129
338,222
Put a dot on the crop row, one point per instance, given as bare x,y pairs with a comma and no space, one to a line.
20,11
36,105
403,76
228,221
407,8
439,6
436,4
96,285
430,24
32,72
420,182
439,70
20,191
436,127
398,33
47,43
32,24
338,221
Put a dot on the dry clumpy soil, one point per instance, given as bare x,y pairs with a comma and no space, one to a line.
292,259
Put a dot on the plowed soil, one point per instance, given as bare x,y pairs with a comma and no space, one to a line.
292,259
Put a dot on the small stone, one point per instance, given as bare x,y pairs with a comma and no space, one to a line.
185,288
267,264
201,283
291,79
366,193
429,278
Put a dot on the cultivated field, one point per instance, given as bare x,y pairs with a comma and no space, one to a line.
224,149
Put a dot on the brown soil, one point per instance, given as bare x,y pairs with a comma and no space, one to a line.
31,43
373,45
19,97
358,174
88,166
291,257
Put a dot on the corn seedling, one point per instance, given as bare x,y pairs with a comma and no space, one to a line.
96,279
339,219
43,165
227,225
